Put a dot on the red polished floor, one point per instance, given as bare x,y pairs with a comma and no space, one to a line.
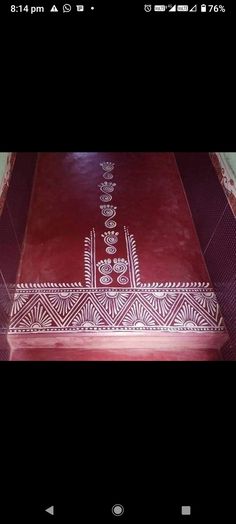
111,259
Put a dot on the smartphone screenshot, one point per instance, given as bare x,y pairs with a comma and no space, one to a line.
117,262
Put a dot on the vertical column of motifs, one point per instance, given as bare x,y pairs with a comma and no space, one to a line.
108,210
118,265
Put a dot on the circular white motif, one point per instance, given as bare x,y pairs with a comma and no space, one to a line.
105,268
108,210
108,176
111,240
106,280
105,198
107,187
110,223
119,267
122,280
190,324
87,324
110,237
111,250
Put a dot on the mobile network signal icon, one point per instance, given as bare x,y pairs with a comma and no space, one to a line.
193,9
172,8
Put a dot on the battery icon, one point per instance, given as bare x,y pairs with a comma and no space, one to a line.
203,8
159,7
182,8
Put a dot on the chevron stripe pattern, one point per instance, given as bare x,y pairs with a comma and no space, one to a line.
51,308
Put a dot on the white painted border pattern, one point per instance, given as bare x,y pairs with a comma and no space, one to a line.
142,307
52,308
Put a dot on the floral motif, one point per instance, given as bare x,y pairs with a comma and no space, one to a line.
113,301
36,319
63,301
207,301
110,237
138,316
107,166
19,301
107,187
189,317
88,317
161,301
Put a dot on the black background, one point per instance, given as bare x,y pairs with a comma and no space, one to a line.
120,80
150,436
84,436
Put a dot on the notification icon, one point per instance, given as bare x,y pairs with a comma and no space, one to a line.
66,8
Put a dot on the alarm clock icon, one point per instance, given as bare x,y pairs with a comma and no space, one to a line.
147,8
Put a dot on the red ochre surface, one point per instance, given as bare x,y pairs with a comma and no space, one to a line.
150,201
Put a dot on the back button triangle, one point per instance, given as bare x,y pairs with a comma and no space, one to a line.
50,510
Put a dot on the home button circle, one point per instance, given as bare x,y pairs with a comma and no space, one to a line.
117,510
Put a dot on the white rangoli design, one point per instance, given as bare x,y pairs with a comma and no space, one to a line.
108,176
19,301
188,316
63,302
78,307
161,301
37,318
110,238
128,306
109,211
107,166
120,265
138,316
106,188
112,301
89,260
205,299
88,317
105,267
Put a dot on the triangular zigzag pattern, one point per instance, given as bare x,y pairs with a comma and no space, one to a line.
49,308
